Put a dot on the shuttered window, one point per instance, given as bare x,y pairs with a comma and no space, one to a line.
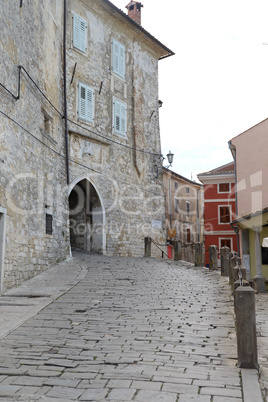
49,227
118,58
224,187
119,117
187,208
79,33
225,214
86,103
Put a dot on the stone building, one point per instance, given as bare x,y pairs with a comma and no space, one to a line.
184,201
79,133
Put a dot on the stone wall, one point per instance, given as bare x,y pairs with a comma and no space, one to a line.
33,180
128,204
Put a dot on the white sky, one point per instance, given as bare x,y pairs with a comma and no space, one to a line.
216,85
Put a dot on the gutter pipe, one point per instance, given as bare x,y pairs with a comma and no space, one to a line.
235,228
65,93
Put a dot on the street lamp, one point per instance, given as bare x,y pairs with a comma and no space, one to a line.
170,157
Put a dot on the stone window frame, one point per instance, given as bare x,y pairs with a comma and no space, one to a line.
47,129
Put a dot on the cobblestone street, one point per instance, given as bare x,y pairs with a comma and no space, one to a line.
131,329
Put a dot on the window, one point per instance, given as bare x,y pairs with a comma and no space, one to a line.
187,189
176,185
224,214
188,235
86,103
223,187
47,123
119,117
79,33
176,200
264,255
49,229
187,207
225,243
118,59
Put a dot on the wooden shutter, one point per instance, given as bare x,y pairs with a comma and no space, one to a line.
86,103
224,187
79,33
225,216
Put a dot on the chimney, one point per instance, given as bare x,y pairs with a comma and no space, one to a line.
134,11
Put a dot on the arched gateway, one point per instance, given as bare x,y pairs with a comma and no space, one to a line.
87,217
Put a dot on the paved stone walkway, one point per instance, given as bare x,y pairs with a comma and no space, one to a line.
261,301
130,329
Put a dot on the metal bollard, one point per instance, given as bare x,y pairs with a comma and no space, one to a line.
246,327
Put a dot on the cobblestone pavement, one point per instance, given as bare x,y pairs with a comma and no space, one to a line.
261,301
130,329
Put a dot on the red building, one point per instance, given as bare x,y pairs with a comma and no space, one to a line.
219,207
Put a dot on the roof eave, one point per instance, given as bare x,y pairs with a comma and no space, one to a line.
124,15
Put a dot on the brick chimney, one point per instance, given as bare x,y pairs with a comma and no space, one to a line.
134,11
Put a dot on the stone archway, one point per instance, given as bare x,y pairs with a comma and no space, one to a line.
87,218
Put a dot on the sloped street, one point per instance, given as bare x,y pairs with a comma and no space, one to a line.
130,329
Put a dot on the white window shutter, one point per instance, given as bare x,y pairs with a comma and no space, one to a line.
122,61
123,119
79,33
86,103
120,118
82,101
83,32
118,59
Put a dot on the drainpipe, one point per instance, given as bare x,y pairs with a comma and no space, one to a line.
170,206
235,228
198,217
65,93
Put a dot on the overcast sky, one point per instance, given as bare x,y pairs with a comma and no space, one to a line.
216,86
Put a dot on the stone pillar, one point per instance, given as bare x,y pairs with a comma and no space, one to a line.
224,252
147,246
199,260
232,264
177,250
246,327
259,280
213,251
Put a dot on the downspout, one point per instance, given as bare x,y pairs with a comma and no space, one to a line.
198,217
235,228
65,93
170,206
